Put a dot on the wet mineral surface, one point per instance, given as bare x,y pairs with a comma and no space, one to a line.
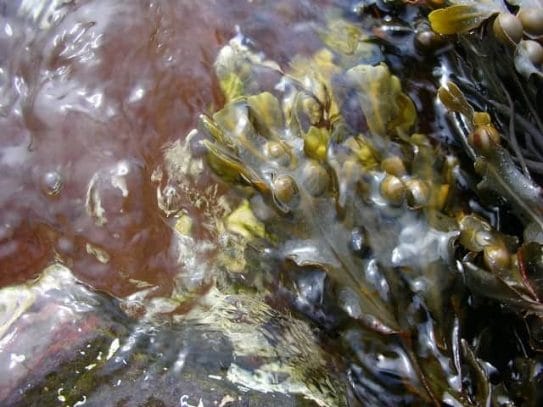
254,203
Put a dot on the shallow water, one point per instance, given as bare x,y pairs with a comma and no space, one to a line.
92,93
97,99
173,233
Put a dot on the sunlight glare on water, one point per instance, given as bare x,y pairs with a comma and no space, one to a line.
97,98
277,203
90,86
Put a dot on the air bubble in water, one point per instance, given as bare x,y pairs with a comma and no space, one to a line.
51,183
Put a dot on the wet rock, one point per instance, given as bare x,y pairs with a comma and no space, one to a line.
63,344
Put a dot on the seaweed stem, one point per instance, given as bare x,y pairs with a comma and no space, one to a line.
529,104
512,133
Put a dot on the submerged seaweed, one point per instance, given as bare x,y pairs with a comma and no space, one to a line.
339,180
360,226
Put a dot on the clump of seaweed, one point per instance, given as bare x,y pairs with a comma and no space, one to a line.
340,182
516,24
511,33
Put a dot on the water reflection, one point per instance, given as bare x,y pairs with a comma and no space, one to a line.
89,351
97,98
247,202
92,86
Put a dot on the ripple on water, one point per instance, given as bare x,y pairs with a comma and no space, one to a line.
93,89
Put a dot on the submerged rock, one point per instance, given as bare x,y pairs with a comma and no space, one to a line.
63,344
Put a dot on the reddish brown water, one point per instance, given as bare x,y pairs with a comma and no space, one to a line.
97,94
